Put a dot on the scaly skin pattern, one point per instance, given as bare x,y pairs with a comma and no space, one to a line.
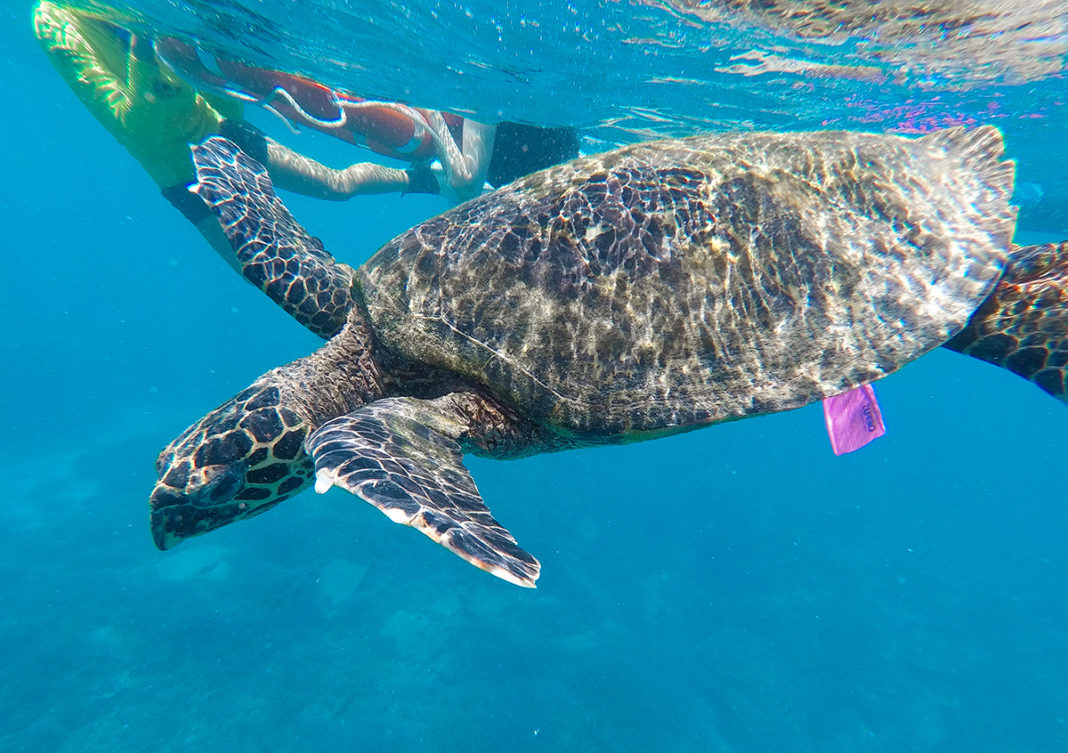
1021,326
253,444
248,455
673,284
278,256
647,291
404,456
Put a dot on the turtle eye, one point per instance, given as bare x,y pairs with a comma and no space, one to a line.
225,486
218,484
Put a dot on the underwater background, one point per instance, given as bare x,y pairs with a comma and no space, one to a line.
733,589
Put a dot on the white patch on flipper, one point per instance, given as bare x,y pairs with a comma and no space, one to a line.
324,479
397,515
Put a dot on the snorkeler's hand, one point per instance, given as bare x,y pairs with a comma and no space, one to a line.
421,179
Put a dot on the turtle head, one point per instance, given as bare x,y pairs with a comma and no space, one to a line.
241,459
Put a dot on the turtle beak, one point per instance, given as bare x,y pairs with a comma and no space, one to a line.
163,503
172,523
165,525
206,503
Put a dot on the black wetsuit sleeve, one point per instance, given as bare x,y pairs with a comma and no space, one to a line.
188,203
248,137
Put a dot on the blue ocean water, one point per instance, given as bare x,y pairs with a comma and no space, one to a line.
733,589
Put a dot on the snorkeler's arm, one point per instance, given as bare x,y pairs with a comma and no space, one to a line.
295,172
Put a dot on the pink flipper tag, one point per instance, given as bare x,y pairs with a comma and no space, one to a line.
853,419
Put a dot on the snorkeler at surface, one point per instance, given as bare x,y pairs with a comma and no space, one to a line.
466,154
157,99
151,113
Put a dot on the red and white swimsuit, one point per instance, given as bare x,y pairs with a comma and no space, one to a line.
388,128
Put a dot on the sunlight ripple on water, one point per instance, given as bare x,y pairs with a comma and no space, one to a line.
650,68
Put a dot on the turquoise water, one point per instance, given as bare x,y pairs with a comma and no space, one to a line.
734,589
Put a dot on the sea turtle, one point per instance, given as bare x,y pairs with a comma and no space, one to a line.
646,291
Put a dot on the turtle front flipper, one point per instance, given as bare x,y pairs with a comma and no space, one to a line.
1023,324
276,254
403,456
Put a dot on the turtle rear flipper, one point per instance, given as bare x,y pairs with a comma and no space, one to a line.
1023,324
276,254
398,455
